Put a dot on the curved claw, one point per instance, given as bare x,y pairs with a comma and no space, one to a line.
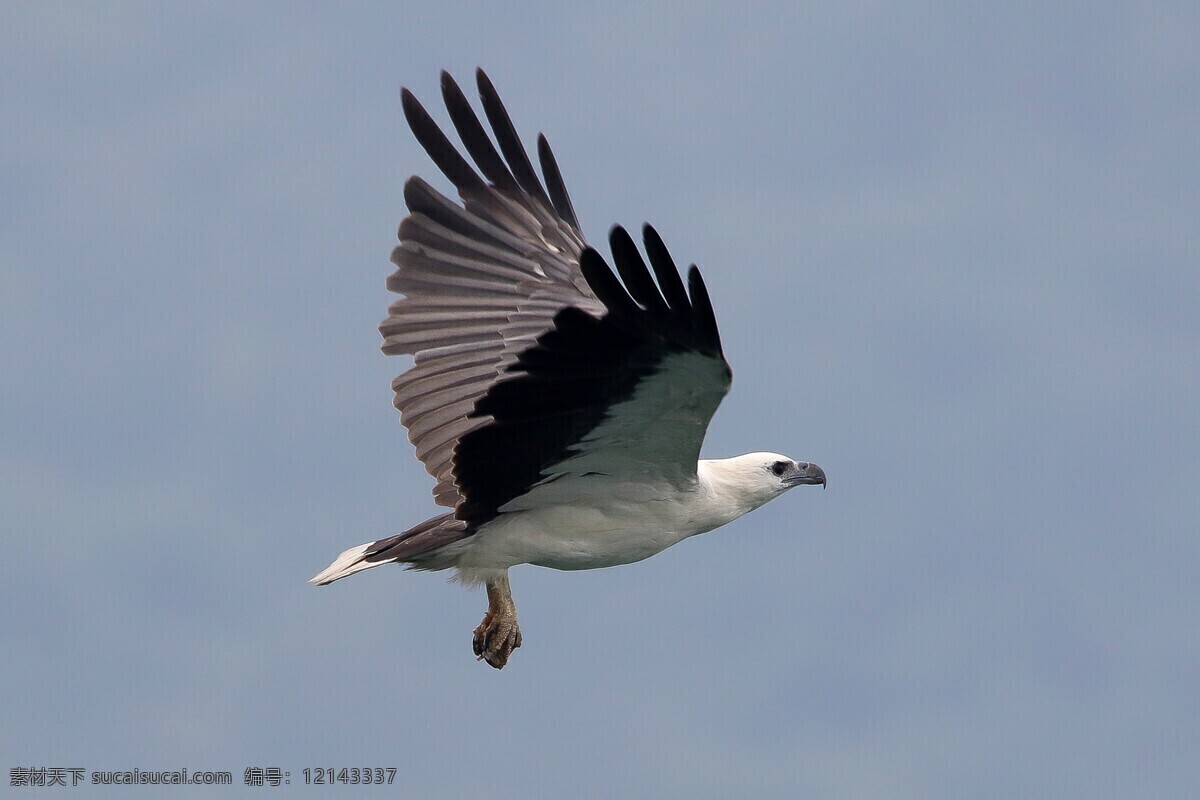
498,634
495,639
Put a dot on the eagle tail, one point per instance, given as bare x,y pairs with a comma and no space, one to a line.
408,547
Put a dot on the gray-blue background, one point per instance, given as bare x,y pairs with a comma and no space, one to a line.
954,255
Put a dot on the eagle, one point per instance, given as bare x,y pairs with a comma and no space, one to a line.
559,406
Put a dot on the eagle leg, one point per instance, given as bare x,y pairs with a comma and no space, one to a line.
498,635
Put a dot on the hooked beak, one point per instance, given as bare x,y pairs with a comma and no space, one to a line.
806,475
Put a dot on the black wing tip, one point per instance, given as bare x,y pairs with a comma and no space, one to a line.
697,290
483,81
685,315
410,104
618,233
509,168
703,315
604,283
669,280
510,141
430,136
634,272
451,89
555,184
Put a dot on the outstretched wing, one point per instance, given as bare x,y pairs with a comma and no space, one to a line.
533,361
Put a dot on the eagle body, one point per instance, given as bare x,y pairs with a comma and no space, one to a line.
559,404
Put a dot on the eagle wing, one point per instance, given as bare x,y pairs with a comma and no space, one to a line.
533,362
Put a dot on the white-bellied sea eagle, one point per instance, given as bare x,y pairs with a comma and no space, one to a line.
559,407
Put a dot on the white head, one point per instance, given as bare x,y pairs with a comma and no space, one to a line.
756,478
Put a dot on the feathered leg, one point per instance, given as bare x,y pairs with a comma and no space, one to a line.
498,635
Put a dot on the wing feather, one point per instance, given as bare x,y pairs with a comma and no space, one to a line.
554,182
510,142
439,148
527,346
664,269
634,272
475,138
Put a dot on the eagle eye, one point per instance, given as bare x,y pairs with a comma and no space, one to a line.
778,468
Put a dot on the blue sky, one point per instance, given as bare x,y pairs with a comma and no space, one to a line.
955,260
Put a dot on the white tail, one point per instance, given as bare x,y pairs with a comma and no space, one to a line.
348,563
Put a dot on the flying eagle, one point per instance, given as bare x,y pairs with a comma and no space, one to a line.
560,409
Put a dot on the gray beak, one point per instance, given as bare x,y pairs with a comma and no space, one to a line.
807,474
